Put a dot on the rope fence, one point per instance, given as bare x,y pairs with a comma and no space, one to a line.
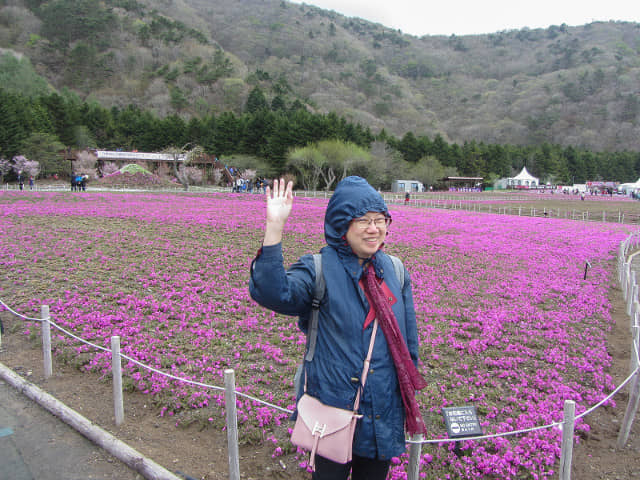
478,205
629,249
482,204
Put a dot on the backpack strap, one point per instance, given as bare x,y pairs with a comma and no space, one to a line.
318,293
398,267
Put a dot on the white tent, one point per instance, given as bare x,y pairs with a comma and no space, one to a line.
523,180
627,188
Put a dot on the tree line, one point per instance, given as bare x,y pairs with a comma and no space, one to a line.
274,139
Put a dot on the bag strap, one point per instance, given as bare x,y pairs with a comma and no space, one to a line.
318,293
365,368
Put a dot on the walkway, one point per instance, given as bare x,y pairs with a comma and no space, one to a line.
35,445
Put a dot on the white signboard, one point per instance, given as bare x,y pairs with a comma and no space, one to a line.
140,156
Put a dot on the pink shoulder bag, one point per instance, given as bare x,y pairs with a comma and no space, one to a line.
328,431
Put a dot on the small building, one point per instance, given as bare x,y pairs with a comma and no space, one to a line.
404,186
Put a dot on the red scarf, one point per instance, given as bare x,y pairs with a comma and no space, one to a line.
409,378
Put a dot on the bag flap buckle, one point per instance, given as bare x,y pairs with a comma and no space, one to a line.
319,429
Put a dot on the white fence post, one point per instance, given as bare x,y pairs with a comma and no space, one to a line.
415,449
635,332
46,341
116,372
629,414
626,276
568,425
631,288
232,424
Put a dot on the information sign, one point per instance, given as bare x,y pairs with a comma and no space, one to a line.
461,421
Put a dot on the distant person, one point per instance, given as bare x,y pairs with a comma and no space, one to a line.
30,183
407,197
20,180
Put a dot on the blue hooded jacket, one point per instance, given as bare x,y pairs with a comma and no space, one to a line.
342,343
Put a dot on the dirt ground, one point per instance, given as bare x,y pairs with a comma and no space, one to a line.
597,455
202,454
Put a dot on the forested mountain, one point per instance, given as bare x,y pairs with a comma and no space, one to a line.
576,86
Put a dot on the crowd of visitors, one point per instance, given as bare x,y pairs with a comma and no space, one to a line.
243,185
79,182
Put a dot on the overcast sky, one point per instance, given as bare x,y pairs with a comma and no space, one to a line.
468,17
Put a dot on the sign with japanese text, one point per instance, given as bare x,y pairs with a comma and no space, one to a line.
461,422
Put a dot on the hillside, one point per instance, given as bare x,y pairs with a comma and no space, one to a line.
566,85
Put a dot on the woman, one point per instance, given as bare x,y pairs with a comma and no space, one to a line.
360,285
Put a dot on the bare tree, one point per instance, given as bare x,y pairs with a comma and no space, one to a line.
86,164
5,167
22,165
184,156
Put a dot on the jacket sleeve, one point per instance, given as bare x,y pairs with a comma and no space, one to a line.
410,318
288,292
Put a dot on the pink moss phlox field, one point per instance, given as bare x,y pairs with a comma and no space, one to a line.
507,322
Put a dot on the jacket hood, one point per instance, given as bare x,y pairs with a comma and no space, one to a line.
352,198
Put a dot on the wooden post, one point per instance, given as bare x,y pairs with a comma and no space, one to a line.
415,450
116,372
232,424
633,364
620,263
629,414
46,341
631,285
566,452
625,279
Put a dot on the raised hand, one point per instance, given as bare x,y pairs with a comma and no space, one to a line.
279,203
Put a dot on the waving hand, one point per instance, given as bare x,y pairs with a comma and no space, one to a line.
279,203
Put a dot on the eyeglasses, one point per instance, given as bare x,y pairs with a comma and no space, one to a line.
378,222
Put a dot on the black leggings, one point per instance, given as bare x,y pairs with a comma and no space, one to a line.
361,469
